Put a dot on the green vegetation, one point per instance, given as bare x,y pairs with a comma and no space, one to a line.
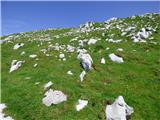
137,79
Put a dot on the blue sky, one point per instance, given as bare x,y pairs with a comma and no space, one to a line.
28,16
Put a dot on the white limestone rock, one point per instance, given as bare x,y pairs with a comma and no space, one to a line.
2,115
44,51
83,42
87,27
37,83
83,73
18,45
47,85
118,110
61,56
107,48
111,20
27,78
142,34
81,104
81,50
64,59
48,55
54,97
92,41
116,58
103,61
35,65
120,49
22,53
113,41
86,60
15,65
69,72
33,56
123,33
70,48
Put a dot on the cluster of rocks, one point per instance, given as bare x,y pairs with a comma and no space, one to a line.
142,34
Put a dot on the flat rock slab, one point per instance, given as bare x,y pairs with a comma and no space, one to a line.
54,97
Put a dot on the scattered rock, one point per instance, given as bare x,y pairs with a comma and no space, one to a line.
142,34
61,56
44,51
18,45
83,42
83,73
22,53
152,42
86,60
70,48
69,72
47,85
81,51
37,83
2,115
103,61
81,104
87,27
53,97
64,59
92,41
111,19
15,65
48,55
115,58
107,48
27,78
33,56
113,41
120,49
119,110
35,65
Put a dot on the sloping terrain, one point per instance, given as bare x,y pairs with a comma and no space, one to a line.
137,79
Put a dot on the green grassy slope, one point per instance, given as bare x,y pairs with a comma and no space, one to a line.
137,79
